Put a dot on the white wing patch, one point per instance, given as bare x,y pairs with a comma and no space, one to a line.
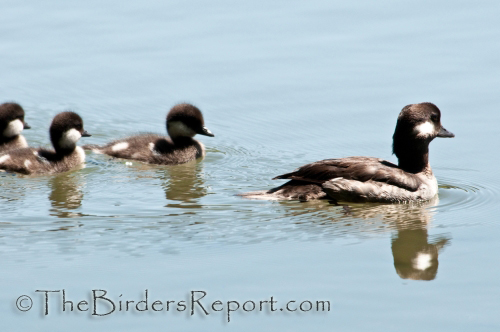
120,146
425,129
4,158
27,163
14,128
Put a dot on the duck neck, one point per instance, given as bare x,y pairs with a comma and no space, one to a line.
181,139
5,139
415,163
413,157
63,150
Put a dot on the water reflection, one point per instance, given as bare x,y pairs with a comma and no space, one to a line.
415,255
184,184
415,252
10,188
66,194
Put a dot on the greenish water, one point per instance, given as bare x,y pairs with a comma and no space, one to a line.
280,84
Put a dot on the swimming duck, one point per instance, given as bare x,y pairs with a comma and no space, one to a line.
184,121
65,130
368,179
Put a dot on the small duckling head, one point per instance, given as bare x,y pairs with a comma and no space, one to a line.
66,129
186,120
12,120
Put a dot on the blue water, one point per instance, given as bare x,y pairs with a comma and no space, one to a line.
280,84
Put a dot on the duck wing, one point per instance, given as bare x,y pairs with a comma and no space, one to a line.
354,168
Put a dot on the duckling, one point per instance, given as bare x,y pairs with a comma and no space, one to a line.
184,121
65,130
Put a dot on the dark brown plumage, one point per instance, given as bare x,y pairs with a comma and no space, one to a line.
184,121
372,179
156,149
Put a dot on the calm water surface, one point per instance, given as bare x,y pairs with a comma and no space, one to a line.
281,84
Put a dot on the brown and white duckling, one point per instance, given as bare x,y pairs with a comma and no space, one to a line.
184,121
65,130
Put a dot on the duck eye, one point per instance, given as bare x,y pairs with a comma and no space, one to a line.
434,117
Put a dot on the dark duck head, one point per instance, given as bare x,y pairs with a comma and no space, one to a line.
11,120
186,120
66,129
417,126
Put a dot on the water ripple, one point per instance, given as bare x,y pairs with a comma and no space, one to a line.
458,194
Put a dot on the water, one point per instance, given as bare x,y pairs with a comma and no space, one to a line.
281,84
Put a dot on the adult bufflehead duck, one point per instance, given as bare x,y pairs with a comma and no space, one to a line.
183,122
65,130
11,125
365,179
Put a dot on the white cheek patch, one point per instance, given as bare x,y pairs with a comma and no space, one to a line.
425,129
177,128
4,158
120,146
422,261
14,128
69,138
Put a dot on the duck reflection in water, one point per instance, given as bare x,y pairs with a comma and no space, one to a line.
66,195
415,252
184,184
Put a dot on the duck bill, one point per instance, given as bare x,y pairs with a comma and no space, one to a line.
85,134
26,126
445,133
206,132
